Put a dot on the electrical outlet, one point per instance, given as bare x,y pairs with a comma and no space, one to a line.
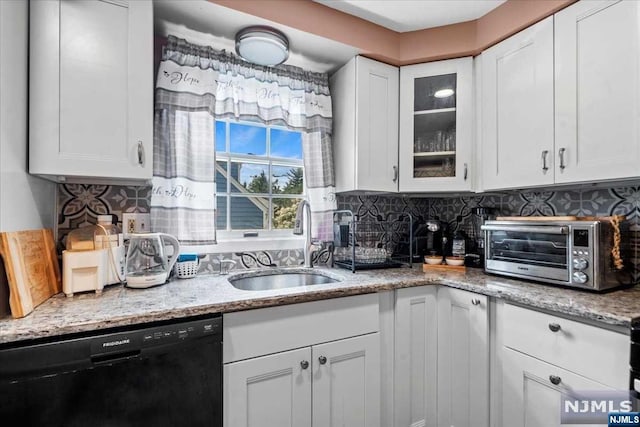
135,223
143,225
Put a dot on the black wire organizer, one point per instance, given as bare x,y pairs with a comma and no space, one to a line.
372,242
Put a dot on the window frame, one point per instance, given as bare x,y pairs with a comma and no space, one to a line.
280,237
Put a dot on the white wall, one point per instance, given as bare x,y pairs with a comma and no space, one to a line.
26,202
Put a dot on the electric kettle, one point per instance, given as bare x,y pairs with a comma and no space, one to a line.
147,262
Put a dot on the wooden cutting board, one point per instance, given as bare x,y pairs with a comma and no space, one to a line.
537,218
442,267
32,268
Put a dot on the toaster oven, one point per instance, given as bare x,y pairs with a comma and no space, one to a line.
582,254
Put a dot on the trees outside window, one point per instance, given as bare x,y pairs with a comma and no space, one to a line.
259,176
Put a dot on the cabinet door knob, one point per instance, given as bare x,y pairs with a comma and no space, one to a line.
544,160
140,153
466,170
304,364
554,327
322,360
555,380
475,301
561,154
395,173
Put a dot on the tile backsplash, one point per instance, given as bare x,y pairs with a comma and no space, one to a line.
80,205
581,202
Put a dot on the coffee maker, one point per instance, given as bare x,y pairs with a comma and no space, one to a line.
431,238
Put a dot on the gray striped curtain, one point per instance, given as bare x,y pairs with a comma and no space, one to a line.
197,84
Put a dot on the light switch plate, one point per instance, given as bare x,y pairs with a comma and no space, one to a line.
135,223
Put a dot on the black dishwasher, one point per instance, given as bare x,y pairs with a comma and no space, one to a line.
162,374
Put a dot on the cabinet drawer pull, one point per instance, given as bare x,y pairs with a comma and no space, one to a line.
304,364
544,160
555,380
466,169
561,154
395,174
554,327
475,301
140,153
322,360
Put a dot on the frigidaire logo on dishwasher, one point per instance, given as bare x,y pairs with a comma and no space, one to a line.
116,343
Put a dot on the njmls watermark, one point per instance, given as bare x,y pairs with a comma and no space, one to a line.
624,419
595,407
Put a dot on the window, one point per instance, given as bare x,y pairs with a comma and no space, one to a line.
259,178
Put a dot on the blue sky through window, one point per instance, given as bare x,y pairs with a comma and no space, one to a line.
247,139
245,167
221,136
286,143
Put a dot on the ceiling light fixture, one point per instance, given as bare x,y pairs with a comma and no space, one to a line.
262,45
443,93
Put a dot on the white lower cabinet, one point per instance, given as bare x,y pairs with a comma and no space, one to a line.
346,382
463,359
416,356
450,357
311,364
271,390
332,384
441,358
545,355
532,390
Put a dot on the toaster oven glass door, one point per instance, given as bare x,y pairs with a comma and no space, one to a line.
539,251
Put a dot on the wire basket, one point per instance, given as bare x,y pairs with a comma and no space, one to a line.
372,242
187,269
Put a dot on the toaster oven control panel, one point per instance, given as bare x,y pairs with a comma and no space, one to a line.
581,256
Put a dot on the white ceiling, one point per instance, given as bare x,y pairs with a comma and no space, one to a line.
411,15
209,24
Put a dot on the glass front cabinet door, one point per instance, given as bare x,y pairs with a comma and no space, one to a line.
436,134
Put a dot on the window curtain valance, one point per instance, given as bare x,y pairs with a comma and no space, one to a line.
198,81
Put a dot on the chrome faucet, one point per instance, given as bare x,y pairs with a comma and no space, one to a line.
309,246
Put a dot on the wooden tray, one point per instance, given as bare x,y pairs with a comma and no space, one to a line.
442,267
31,263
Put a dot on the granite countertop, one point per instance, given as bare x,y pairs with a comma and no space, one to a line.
207,294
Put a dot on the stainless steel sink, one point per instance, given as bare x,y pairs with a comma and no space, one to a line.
280,280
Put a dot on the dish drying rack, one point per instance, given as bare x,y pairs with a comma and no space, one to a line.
382,241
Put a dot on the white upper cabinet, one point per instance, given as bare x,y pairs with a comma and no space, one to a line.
365,121
517,110
91,90
436,126
561,99
597,91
